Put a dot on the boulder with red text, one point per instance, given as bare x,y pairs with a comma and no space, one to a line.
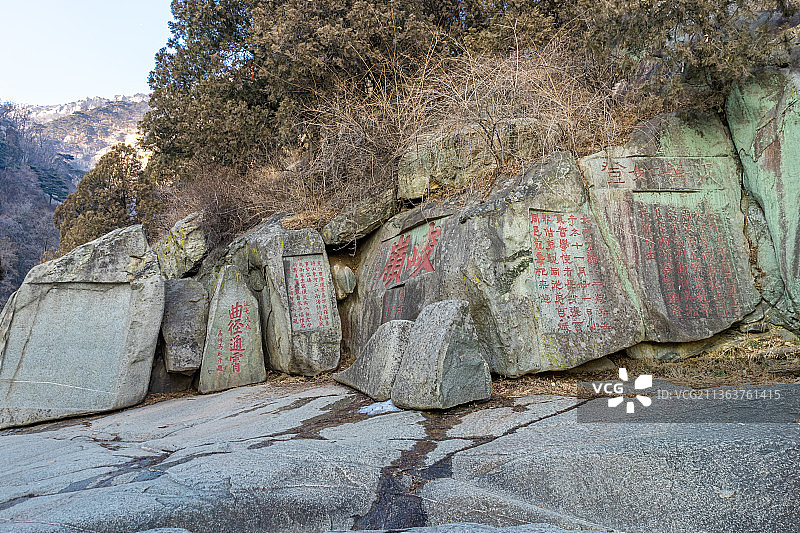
669,204
539,300
79,335
289,273
233,355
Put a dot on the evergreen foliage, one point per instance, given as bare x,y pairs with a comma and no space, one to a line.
235,83
114,194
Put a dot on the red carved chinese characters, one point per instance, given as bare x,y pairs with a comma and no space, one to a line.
238,323
685,247
656,173
421,261
570,289
309,305
393,270
408,255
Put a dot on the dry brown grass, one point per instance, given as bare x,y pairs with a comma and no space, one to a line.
754,360
363,131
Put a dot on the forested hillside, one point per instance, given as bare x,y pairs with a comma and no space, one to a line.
87,133
34,179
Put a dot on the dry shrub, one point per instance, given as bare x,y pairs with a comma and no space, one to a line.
557,92
360,134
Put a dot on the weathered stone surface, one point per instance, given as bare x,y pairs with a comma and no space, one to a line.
480,528
669,203
603,364
443,365
297,457
763,118
361,220
344,281
184,324
376,367
162,381
79,334
533,311
233,353
454,159
182,249
289,272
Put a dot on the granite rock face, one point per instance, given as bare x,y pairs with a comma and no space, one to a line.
233,353
361,220
443,365
538,301
376,367
80,333
764,121
289,273
300,457
183,248
184,324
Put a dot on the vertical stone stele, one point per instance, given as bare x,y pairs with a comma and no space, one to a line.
233,355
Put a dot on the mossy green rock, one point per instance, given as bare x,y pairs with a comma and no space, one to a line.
764,118
183,248
454,159
668,203
361,220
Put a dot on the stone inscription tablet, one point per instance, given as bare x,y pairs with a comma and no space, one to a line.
688,247
571,295
309,305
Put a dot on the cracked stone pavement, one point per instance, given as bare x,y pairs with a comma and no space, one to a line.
302,458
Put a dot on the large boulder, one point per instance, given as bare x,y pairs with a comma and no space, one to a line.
376,367
289,273
232,356
669,204
184,324
183,248
80,333
535,305
763,119
443,365
457,158
361,220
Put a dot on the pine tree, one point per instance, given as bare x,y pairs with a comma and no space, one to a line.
115,194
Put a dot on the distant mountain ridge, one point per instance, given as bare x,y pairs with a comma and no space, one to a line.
45,113
88,128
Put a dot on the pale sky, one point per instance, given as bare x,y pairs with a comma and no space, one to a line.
59,51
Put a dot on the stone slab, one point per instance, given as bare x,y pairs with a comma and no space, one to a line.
443,365
184,325
233,354
79,335
376,367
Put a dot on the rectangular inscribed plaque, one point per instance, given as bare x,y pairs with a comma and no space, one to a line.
309,305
